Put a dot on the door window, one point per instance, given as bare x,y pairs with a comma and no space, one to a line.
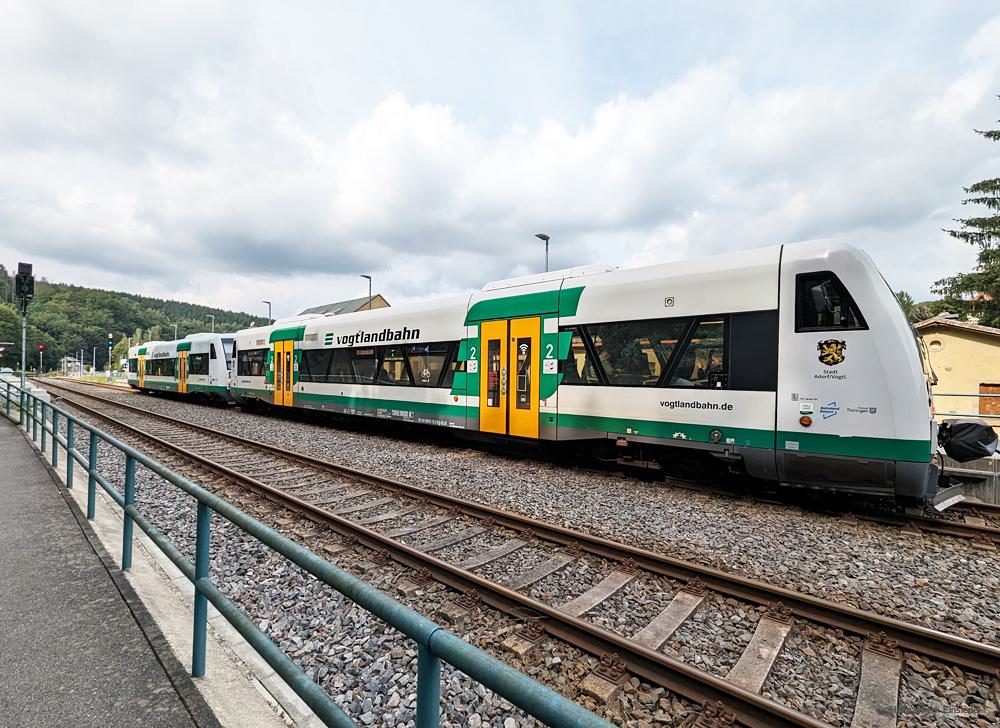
523,373
493,373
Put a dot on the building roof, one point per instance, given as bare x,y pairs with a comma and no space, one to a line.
355,304
954,324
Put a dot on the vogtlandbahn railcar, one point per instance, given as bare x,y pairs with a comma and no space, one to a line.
197,365
792,363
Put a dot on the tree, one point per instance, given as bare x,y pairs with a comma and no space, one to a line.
983,283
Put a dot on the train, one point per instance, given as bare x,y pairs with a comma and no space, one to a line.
792,363
197,365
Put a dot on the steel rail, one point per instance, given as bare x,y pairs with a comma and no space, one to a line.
915,638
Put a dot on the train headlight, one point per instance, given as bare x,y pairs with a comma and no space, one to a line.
805,420
715,435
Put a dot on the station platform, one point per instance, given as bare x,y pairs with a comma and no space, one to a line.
76,643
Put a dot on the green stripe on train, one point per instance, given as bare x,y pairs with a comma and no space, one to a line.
433,408
564,302
877,448
681,431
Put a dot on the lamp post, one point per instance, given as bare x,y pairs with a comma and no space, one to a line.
93,366
543,236
211,316
269,321
369,290
175,332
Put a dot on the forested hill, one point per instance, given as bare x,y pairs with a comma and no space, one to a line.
68,318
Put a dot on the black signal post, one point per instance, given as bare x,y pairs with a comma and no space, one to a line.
24,292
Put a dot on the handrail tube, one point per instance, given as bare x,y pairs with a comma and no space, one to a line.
519,689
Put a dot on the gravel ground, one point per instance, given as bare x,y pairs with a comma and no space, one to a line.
817,672
634,605
940,582
368,667
714,637
933,695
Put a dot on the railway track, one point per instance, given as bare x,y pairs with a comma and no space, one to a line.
978,522
390,517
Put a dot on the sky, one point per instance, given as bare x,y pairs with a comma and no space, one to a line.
227,153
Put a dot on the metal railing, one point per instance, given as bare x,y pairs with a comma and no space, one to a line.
963,414
434,643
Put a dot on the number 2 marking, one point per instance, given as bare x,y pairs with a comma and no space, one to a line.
548,351
472,352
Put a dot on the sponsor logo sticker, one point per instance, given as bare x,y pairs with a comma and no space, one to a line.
830,409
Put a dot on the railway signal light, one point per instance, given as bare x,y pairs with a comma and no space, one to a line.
41,347
110,339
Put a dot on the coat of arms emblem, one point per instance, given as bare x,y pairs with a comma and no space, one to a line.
831,351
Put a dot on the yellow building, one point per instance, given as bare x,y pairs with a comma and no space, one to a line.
965,356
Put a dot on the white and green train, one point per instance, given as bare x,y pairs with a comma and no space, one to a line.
197,365
793,363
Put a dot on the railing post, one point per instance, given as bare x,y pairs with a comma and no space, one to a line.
20,409
127,523
69,453
91,480
34,418
428,688
8,399
55,438
43,426
201,552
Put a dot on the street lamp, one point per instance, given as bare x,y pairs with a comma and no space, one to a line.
208,315
269,321
369,290
543,236
175,332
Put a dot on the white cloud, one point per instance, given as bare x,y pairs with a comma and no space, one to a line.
180,155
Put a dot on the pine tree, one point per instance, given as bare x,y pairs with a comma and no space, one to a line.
983,283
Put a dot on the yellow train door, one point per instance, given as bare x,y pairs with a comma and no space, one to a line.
142,371
284,372
508,396
523,405
182,372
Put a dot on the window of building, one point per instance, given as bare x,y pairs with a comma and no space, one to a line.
703,361
578,366
636,353
251,363
822,303
392,369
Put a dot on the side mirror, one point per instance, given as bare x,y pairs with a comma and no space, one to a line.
821,295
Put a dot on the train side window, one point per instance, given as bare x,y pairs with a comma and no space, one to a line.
636,353
133,366
823,303
340,368
454,365
198,364
251,362
578,366
212,351
363,363
393,367
427,361
703,361
315,364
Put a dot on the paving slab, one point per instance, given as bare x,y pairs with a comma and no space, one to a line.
76,646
